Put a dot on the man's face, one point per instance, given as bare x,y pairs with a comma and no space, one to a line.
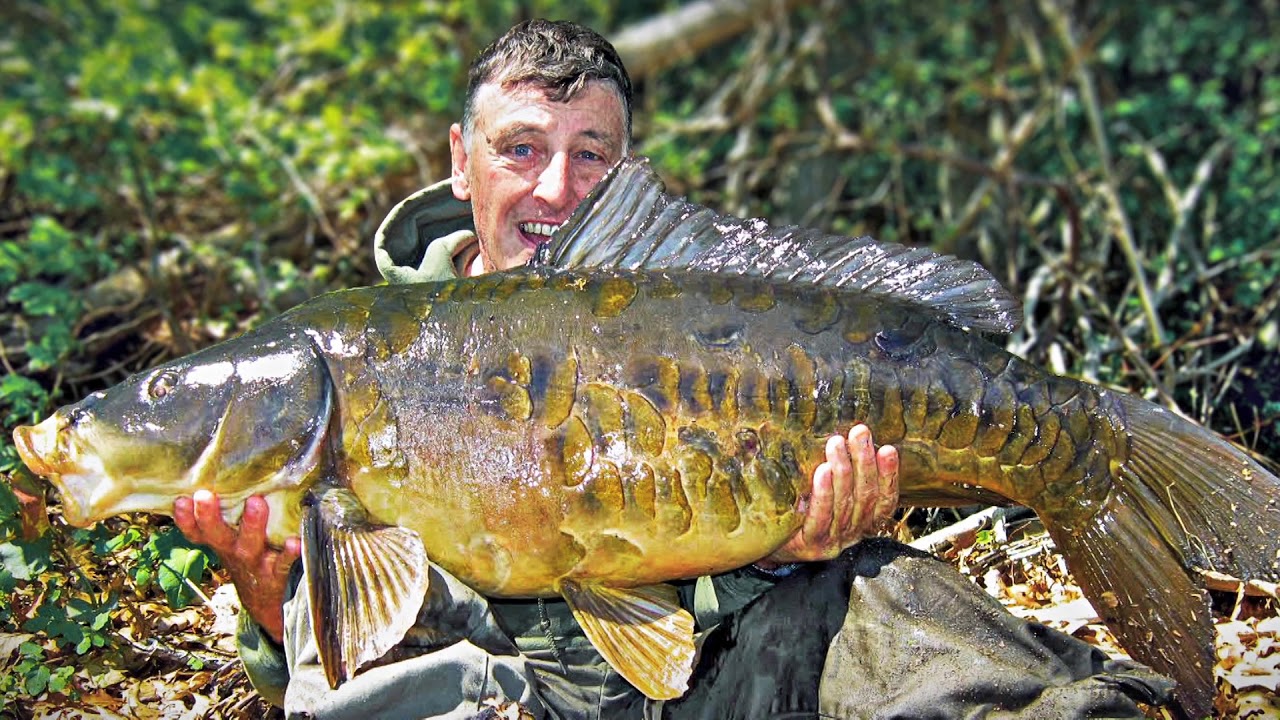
530,161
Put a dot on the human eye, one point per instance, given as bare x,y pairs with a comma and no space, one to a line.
597,156
519,146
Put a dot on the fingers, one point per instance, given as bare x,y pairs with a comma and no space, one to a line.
199,517
816,530
216,532
251,540
844,482
865,481
291,551
853,491
887,465
259,572
812,540
184,517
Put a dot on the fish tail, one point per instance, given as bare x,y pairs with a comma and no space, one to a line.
1183,500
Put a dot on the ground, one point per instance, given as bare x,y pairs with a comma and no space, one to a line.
181,664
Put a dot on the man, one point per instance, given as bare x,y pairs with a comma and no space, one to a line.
548,111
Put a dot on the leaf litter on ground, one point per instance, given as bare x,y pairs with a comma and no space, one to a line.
1017,564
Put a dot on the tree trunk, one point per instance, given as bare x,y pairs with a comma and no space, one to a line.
650,46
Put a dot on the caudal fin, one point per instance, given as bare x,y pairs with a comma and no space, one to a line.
1184,500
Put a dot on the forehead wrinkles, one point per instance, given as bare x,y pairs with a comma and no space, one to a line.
562,91
493,102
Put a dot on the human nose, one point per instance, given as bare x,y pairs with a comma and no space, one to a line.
553,186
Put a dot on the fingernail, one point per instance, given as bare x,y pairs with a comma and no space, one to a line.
201,495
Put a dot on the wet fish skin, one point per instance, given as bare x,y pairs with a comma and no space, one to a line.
628,438
545,427
170,431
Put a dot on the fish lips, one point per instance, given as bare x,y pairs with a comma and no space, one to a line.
37,447
34,444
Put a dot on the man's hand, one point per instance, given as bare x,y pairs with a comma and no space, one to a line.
853,491
259,572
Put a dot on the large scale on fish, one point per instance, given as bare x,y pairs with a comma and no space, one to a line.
647,402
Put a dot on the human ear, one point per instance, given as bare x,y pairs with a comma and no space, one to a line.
458,156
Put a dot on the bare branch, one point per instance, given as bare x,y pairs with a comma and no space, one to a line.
651,46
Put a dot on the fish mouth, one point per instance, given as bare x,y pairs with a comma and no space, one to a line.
38,449
33,445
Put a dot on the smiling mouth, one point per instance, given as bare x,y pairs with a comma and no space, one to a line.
538,231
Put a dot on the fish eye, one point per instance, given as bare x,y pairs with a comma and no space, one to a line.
162,384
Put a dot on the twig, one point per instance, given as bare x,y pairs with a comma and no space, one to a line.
940,538
842,138
1208,368
295,177
4,360
1257,256
648,47
1023,130
1181,202
1132,351
1253,588
1119,219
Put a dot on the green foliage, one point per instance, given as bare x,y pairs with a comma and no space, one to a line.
72,623
32,675
69,615
173,563
23,561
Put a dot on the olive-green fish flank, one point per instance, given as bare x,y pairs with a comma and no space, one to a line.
676,433
674,446
648,448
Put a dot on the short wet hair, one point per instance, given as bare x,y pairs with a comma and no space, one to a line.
558,56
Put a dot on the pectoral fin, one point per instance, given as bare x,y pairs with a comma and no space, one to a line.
642,632
366,582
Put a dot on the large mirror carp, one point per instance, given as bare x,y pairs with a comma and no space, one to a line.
646,402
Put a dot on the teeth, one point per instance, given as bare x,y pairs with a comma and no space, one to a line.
535,228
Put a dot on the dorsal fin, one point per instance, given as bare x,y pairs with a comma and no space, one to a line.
630,223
